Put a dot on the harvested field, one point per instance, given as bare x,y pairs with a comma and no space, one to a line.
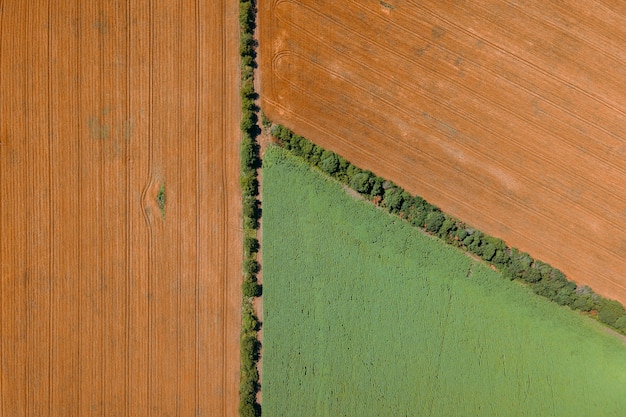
110,305
509,116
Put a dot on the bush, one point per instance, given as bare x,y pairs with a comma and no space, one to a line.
553,286
461,234
447,227
298,145
476,246
352,171
405,207
250,322
249,184
247,90
501,258
434,221
491,247
249,408
248,106
519,263
547,271
249,154
249,386
247,44
620,324
249,123
341,173
361,182
609,311
247,62
250,245
281,133
329,163
393,199
251,213
265,121
250,348
377,187
566,295
316,155
246,16
306,148
247,68
583,301
488,252
532,275
251,288
251,266
251,207
417,216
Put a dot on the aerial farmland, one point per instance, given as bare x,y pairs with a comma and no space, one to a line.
365,315
508,115
131,236
120,246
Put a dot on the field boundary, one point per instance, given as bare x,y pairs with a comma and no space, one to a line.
514,131
358,303
514,264
250,349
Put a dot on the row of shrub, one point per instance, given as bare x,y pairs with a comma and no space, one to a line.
542,278
250,162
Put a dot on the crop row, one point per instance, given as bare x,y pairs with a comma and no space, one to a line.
250,162
542,278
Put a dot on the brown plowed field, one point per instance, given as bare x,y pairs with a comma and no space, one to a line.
108,307
508,115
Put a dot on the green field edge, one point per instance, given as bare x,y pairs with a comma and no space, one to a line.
513,264
351,291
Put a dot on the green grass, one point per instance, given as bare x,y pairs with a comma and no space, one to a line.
160,199
386,5
366,316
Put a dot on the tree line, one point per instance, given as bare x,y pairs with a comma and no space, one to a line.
250,161
543,279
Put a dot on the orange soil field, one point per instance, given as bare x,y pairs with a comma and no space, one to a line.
110,308
507,115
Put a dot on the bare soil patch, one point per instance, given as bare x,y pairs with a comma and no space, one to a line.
508,116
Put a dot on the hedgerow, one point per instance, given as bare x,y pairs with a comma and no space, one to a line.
251,211
541,277
366,316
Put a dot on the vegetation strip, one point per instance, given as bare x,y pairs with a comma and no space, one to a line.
365,315
250,163
542,278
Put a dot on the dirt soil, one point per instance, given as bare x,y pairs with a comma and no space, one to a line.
110,306
508,115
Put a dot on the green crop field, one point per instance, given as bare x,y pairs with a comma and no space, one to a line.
366,316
